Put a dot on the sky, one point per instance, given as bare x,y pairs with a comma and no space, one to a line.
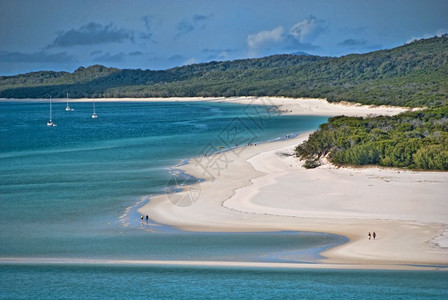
62,35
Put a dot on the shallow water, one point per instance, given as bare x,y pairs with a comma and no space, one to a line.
66,190
130,282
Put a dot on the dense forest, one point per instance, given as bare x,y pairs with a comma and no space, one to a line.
415,74
416,140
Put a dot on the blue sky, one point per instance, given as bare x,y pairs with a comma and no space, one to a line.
160,34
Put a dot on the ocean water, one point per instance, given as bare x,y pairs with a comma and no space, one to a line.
71,191
125,282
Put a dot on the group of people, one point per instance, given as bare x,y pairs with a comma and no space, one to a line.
147,218
372,235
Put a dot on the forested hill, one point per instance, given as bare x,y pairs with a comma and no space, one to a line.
414,74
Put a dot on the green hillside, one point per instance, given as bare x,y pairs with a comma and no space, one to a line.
415,74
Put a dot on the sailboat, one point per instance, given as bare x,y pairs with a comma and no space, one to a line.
67,108
50,122
94,115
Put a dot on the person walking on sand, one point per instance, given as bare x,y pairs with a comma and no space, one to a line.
369,235
374,235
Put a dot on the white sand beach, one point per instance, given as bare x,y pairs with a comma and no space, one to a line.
316,107
264,188
289,106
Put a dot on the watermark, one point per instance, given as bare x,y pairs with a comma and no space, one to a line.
258,113
235,135
182,189
215,157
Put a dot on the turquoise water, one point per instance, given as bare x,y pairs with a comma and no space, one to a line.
125,282
70,192
65,190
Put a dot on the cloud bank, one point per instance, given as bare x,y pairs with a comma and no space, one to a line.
91,34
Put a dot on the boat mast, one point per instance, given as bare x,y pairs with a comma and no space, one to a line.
94,116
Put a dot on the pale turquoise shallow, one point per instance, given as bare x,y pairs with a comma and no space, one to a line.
65,192
124,282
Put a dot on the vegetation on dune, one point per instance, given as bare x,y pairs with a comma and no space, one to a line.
415,140
415,74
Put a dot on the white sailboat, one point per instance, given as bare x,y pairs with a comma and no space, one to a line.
50,122
94,115
67,108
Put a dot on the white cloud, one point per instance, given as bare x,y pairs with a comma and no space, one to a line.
265,37
298,38
305,30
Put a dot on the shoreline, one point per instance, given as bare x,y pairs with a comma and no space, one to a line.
285,106
240,198
215,264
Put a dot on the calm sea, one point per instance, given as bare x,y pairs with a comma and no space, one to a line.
71,191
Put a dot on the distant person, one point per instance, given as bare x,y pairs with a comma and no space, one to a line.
141,217
147,218
374,235
369,235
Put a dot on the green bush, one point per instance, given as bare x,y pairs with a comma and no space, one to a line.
408,140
